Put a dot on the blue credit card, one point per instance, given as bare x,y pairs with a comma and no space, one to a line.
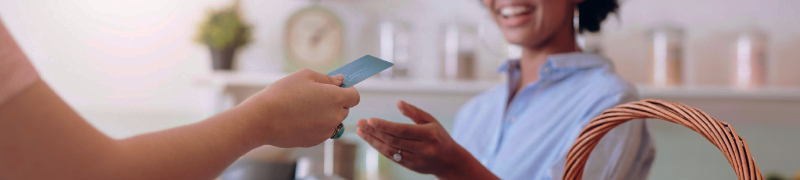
360,69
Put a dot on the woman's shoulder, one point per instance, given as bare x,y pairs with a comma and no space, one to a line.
588,70
613,83
606,81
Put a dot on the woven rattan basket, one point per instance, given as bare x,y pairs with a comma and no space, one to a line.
717,132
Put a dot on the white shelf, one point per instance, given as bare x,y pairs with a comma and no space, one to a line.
720,92
260,80
257,80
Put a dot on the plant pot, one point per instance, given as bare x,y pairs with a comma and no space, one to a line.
222,59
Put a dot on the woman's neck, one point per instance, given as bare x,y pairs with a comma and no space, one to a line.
533,57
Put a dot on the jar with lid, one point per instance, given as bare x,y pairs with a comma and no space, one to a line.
750,68
667,55
395,47
459,58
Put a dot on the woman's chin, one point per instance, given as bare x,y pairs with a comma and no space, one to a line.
523,38
519,35
516,39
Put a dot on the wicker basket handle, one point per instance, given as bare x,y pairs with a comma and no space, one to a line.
717,132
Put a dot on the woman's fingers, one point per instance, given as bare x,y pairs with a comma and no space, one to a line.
393,141
417,115
407,159
315,76
402,130
345,97
336,79
351,97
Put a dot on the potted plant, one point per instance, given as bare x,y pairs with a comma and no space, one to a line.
224,31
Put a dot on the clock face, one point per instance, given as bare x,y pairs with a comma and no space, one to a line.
314,38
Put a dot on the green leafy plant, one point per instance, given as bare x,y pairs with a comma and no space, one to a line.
224,29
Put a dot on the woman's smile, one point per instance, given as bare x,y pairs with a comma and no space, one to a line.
513,13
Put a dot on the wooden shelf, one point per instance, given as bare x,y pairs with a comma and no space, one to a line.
260,80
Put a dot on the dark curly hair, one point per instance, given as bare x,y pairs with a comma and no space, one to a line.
593,12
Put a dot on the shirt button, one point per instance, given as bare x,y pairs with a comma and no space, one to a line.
513,118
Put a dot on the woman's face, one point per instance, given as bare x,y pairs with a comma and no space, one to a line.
531,23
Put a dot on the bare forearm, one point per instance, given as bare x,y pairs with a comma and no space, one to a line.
197,151
43,138
33,146
468,168
9,47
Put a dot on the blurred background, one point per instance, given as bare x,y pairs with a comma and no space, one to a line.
132,67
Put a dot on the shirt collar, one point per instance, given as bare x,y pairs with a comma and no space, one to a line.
574,60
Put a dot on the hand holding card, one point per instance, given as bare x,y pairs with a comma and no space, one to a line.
299,110
355,72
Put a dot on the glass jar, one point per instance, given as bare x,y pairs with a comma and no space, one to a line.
750,68
667,56
459,58
395,48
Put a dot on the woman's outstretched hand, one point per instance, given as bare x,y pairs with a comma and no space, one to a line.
426,147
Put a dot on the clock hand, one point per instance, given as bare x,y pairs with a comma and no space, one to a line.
319,34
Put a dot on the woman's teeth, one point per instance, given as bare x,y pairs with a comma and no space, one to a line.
513,10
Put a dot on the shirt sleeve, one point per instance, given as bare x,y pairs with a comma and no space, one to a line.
16,74
624,153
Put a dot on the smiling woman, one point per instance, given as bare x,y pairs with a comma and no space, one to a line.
523,129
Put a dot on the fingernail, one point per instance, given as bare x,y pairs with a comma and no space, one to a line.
338,76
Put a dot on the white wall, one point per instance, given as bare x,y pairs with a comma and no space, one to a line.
711,27
129,66
119,62
126,65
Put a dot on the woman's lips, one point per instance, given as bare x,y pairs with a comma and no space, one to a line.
516,15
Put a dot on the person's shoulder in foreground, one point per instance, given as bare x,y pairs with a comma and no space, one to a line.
16,72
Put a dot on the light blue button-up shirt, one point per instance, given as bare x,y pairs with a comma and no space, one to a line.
528,137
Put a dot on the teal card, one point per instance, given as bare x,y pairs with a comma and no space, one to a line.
360,69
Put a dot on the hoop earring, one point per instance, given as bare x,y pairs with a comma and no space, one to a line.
576,22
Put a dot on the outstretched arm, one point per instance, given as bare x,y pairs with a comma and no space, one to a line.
41,137
426,146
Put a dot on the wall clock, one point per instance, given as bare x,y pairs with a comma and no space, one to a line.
314,39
